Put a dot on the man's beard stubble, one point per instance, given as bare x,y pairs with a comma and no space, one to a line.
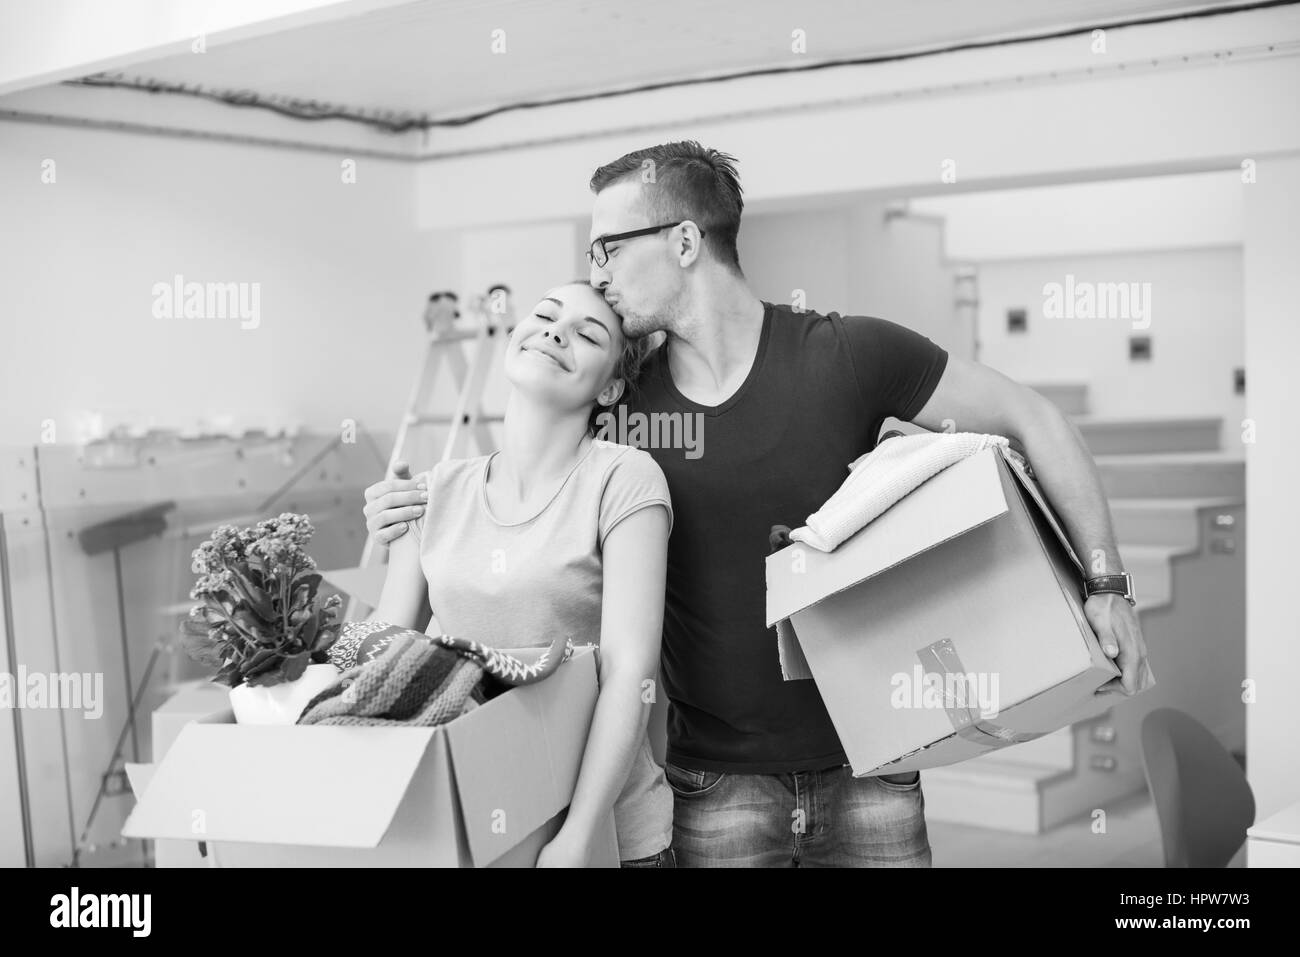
638,324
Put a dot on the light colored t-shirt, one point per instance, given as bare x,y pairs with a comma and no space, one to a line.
518,584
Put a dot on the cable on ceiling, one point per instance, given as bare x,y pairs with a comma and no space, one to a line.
396,122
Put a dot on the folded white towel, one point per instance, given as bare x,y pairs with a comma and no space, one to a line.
884,475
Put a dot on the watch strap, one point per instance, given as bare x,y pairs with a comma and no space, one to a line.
1121,584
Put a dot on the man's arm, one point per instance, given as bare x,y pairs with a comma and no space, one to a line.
975,398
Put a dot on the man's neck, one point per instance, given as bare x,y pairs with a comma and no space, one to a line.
716,341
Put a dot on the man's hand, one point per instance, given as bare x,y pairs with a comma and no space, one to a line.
1115,622
392,503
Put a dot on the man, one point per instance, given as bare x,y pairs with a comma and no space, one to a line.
787,398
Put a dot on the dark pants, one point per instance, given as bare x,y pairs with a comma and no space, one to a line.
825,818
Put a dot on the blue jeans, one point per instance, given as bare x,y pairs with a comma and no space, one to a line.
665,858
825,818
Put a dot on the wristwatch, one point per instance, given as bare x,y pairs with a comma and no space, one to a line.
1120,584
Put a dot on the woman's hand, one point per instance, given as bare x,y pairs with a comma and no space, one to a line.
566,849
393,502
405,598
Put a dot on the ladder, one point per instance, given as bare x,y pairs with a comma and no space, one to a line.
492,322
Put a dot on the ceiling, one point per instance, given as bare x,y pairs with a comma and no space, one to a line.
434,57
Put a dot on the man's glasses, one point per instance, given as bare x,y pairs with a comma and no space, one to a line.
599,255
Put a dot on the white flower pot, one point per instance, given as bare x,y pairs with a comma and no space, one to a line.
282,703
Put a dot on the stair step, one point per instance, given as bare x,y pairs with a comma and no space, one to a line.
1108,436
995,792
1152,571
1173,475
986,792
993,772
1176,522
1070,397
1055,750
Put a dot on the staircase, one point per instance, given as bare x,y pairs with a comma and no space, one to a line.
1178,504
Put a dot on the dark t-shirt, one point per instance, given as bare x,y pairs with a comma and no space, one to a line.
814,400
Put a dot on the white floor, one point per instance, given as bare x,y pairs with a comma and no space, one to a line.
1132,839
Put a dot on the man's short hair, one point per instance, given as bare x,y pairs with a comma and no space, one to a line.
685,180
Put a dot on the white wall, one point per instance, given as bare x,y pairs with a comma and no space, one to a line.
1272,467
1195,330
1049,131
846,257
343,276
808,251
1123,215
900,273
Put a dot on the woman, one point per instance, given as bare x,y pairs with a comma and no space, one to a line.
559,532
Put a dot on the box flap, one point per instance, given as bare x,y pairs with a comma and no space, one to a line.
958,499
516,759
196,699
1035,493
365,584
139,776
794,666
324,786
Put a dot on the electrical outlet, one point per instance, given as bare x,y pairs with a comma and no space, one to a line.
1103,733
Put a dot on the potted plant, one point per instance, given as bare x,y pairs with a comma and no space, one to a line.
259,622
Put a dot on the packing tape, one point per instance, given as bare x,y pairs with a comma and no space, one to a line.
941,658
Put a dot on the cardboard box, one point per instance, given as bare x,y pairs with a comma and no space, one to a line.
970,574
488,789
196,701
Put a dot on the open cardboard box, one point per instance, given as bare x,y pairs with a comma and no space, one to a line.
487,789
969,574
